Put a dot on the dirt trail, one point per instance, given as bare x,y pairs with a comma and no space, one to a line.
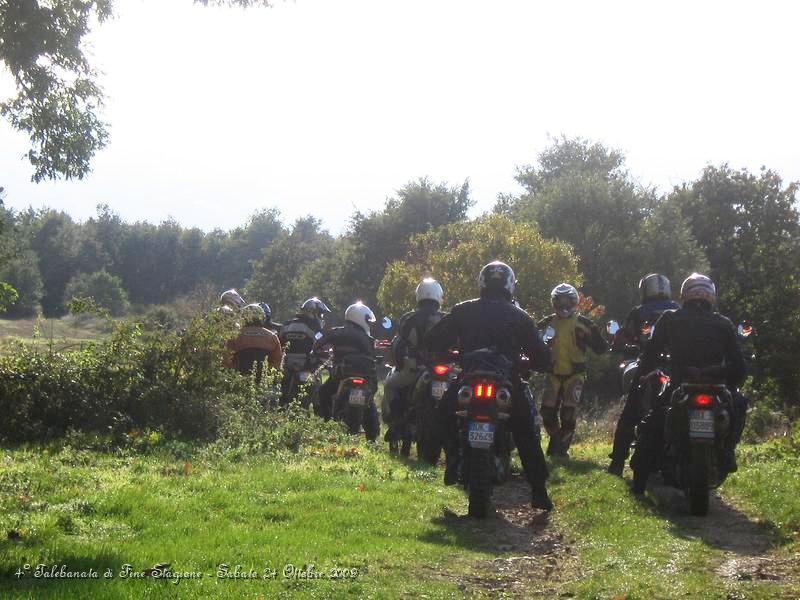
748,546
532,555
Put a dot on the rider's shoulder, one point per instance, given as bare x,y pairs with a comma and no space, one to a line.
546,321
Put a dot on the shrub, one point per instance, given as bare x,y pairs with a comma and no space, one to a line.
105,289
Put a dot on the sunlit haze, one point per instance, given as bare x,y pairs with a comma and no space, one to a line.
324,106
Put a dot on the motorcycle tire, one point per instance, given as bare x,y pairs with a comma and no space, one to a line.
429,446
698,490
481,474
353,416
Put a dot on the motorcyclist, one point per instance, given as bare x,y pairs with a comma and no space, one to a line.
254,343
353,354
656,295
493,321
268,322
573,335
411,330
233,299
697,338
298,336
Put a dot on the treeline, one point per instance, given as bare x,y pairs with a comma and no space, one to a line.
581,217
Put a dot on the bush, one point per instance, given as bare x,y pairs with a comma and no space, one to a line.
22,273
105,289
161,382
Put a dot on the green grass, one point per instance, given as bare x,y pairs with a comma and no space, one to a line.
58,334
355,507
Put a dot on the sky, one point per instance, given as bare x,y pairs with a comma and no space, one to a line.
323,107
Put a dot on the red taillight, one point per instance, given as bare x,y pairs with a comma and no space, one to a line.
703,400
662,379
441,369
357,381
483,391
646,329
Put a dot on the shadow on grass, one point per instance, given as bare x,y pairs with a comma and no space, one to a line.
725,527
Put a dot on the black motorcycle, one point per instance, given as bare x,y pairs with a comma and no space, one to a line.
484,406
428,392
354,401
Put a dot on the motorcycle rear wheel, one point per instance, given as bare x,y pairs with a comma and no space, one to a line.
698,490
481,473
429,446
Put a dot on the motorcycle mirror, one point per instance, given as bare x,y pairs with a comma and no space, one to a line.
386,323
549,333
612,327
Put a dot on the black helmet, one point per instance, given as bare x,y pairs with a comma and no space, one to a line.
316,309
267,310
497,277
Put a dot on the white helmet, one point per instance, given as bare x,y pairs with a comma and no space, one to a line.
360,314
565,299
232,298
655,287
253,314
698,287
430,289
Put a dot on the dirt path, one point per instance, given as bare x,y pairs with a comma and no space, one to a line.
532,556
748,546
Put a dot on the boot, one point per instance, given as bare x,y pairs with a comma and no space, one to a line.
616,467
540,499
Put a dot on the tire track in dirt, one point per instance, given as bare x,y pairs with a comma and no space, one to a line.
533,559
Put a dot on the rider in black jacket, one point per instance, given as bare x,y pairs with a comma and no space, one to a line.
493,321
656,294
353,354
697,338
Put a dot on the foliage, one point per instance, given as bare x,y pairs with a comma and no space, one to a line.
580,193
42,44
22,273
454,254
105,289
378,238
749,227
165,381
8,296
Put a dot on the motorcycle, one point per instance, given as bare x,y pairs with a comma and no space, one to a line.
687,434
354,401
428,392
484,406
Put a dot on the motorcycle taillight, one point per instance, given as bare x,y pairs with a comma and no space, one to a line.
483,391
702,399
441,369
662,379
357,381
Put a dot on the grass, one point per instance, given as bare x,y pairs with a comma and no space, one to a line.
57,334
354,507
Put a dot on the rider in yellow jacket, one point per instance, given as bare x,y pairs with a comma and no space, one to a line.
572,335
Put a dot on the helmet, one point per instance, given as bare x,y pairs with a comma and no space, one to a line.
316,309
565,299
253,314
360,314
698,287
232,298
654,287
430,289
267,310
497,276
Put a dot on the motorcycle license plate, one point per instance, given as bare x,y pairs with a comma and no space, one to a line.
701,424
438,388
480,435
358,397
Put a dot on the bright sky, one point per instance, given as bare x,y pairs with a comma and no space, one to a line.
324,106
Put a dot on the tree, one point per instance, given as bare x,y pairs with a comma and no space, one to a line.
42,44
579,192
279,276
454,254
749,227
378,238
106,290
22,274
